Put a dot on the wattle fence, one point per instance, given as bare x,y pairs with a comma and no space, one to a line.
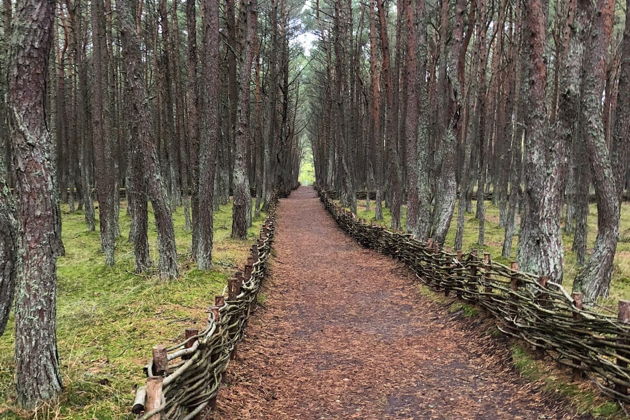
183,380
524,305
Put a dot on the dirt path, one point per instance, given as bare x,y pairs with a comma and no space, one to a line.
345,334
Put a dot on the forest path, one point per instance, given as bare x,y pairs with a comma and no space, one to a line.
345,334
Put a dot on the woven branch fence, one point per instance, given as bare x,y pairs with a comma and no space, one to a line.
183,380
525,306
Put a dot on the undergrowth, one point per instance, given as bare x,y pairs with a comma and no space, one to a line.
108,318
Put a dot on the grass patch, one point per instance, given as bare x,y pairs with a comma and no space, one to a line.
108,318
584,400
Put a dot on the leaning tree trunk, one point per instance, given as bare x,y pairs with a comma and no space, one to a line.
594,278
37,360
209,136
146,149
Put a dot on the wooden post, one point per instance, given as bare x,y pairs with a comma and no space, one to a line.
255,252
487,262
154,395
472,282
234,286
160,360
216,315
248,268
624,318
578,303
542,300
514,281
189,333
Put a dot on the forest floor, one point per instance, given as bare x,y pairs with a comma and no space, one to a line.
494,234
109,318
345,332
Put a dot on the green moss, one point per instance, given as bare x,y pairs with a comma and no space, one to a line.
261,299
108,318
468,311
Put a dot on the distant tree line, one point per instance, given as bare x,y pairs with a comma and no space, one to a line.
168,102
435,103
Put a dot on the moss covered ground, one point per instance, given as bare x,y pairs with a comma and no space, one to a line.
108,318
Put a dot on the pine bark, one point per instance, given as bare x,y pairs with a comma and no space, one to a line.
540,245
8,244
209,135
37,360
594,279
8,223
146,169
621,128
102,140
391,128
242,193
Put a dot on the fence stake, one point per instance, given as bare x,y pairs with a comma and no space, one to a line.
188,333
160,360
472,286
255,252
542,300
624,318
154,395
487,261
514,281
460,259
578,302
248,268
234,286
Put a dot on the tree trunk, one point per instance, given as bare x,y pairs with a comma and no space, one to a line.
594,279
8,244
37,360
8,224
540,245
209,135
621,143
242,196
192,99
103,157
150,181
